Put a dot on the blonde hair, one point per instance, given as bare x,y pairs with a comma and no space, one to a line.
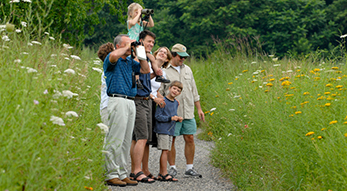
131,8
169,56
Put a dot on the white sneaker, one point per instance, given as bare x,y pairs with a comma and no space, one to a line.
172,171
192,173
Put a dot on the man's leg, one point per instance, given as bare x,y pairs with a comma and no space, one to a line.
138,156
145,159
189,148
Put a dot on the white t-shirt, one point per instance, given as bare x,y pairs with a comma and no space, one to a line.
155,85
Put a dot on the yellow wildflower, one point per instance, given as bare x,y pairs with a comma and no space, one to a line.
252,81
294,107
211,113
272,79
326,93
339,86
330,98
270,75
333,95
228,89
287,78
306,93
316,70
269,84
207,112
209,133
298,112
323,129
262,71
292,88
88,188
230,83
345,122
244,71
327,104
286,83
339,72
281,79
332,122
312,138
217,95
345,134
298,76
236,78
298,70
266,91
317,78
309,133
288,95
335,68
328,85
320,137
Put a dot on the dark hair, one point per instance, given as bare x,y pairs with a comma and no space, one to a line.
177,84
104,50
118,39
144,33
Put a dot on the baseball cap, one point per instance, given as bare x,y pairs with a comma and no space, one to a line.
180,49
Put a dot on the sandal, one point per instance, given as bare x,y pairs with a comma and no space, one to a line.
151,176
144,180
164,178
131,176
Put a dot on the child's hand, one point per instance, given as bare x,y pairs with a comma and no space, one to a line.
180,119
174,118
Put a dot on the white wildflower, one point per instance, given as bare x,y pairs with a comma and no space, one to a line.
343,36
260,86
57,120
5,38
56,94
69,94
75,57
277,65
229,134
28,1
18,30
46,33
31,70
255,73
97,69
30,44
53,55
275,59
24,24
88,129
67,46
52,38
103,127
253,62
45,92
24,53
63,54
271,55
71,113
66,58
14,1
36,42
70,71
231,109
264,83
97,62
213,109
17,61
289,71
57,72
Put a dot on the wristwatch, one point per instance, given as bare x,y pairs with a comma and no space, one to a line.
153,97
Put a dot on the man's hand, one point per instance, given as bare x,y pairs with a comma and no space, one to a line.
175,118
160,102
201,115
180,119
159,72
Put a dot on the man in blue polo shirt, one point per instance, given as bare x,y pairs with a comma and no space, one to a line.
119,70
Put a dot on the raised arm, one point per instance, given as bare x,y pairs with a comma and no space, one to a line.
133,21
150,22
117,53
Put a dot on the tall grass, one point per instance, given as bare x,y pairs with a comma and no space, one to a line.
36,153
260,111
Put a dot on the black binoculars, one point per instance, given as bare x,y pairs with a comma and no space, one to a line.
147,11
136,43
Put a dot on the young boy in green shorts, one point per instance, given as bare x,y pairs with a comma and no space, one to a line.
165,127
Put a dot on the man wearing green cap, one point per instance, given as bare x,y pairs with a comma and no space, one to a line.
188,99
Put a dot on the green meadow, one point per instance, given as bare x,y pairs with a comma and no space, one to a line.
278,123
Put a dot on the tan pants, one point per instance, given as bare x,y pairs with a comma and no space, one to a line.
121,121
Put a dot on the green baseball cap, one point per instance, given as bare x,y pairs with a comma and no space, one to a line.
180,49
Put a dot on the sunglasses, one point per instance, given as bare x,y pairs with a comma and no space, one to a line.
181,57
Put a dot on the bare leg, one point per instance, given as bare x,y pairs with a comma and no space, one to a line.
189,148
163,162
138,156
172,153
145,167
132,155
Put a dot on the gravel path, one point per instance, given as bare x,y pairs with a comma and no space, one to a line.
211,176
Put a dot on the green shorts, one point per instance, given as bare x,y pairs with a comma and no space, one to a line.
186,127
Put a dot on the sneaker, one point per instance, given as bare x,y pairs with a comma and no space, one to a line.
161,79
172,171
192,173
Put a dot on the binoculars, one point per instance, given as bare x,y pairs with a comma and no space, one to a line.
147,11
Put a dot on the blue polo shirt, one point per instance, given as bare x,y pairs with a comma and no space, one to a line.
119,75
146,82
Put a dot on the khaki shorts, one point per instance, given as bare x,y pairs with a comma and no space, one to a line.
143,121
164,142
